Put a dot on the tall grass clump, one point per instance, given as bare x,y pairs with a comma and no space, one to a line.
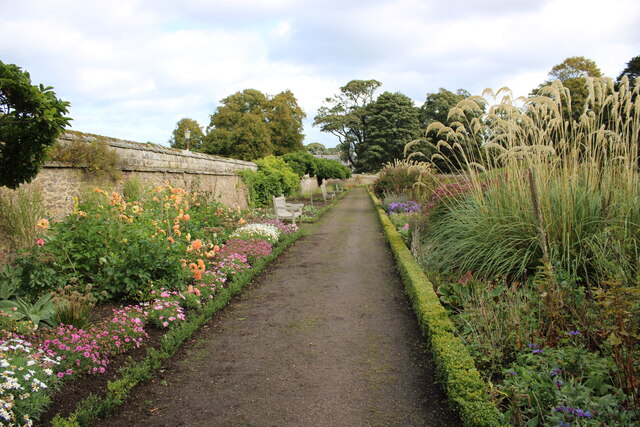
544,188
411,178
20,211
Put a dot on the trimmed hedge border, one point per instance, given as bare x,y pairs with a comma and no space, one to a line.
466,391
94,407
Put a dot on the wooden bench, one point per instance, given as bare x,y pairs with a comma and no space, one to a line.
286,210
327,194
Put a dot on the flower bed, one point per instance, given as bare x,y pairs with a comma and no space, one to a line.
171,251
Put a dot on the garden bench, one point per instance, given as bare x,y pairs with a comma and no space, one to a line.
326,194
286,210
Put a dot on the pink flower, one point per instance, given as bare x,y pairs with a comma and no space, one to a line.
40,242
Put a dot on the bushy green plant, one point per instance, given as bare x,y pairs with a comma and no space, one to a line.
563,386
133,189
273,178
72,306
408,177
40,311
302,163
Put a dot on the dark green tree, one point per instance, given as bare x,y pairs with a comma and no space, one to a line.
31,118
196,135
436,109
346,117
301,162
632,71
393,122
250,125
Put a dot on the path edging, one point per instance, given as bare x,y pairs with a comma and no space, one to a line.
466,391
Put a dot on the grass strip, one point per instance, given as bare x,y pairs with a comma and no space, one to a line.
466,391
94,407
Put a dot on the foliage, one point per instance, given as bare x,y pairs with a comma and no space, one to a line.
196,136
40,311
346,118
632,71
588,172
250,125
331,169
133,189
562,386
273,178
403,176
31,118
302,163
461,381
393,121
572,73
437,108
72,305
20,211
95,157
315,148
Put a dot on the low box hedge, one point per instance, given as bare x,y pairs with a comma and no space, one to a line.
466,391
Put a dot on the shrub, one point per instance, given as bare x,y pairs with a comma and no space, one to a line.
403,176
20,211
302,163
273,178
95,157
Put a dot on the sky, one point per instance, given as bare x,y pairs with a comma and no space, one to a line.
131,69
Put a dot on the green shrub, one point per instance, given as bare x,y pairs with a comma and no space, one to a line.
404,177
273,178
302,163
20,211
95,157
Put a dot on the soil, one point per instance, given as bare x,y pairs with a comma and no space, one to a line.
324,337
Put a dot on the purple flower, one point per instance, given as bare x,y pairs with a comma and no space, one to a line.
580,413
558,384
534,346
512,373
537,351
574,333
555,372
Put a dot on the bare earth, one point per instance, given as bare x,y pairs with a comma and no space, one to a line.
325,337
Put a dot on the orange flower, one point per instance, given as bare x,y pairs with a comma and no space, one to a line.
186,217
170,239
241,221
43,224
196,244
184,263
216,248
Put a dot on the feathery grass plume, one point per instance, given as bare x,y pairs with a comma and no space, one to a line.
585,170
408,176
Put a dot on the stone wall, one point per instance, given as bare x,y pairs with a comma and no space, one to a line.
60,183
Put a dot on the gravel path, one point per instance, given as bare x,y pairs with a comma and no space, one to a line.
325,337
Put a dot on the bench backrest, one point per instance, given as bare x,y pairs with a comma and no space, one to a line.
279,203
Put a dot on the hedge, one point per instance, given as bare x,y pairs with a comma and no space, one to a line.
466,391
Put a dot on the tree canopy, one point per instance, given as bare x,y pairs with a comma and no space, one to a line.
632,71
31,118
249,125
196,136
346,117
393,121
571,72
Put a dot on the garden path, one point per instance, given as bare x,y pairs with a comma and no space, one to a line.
325,337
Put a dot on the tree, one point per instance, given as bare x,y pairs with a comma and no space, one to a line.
301,162
31,118
196,136
250,125
571,72
436,109
393,121
315,148
632,71
346,117
285,122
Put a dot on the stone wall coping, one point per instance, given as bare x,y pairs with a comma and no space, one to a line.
155,148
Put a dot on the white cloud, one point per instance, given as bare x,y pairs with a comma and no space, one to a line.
132,68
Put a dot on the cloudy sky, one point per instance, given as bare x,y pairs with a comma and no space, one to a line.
132,68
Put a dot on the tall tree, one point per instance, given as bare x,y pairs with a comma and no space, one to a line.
178,139
285,123
394,121
315,148
572,72
346,117
31,118
250,125
436,109
632,71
